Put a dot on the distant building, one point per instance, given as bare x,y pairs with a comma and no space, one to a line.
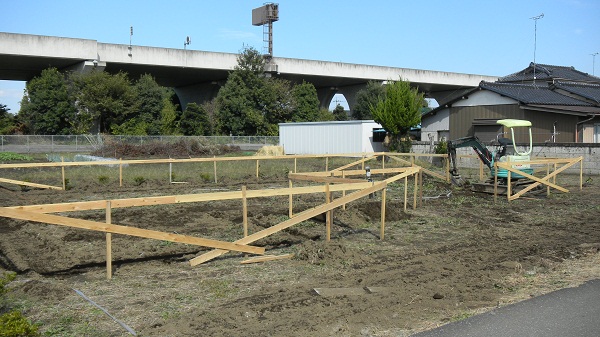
355,136
563,105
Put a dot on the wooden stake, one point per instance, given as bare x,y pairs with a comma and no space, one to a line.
344,191
416,176
108,242
328,213
62,159
405,192
383,163
295,165
215,168
120,172
495,181
547,173
257,168
420,187
291,208
580,173
382,230
245,210
326,164
170,173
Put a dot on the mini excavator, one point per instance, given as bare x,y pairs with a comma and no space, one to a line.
503,154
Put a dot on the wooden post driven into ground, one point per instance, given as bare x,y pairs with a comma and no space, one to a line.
108,242
245,210
382,229
328,213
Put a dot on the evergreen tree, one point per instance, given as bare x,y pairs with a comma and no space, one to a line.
397,112
46,107
365,98
306,103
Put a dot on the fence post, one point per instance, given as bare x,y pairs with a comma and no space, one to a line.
108,242
215,167
245,210
382,229
64,183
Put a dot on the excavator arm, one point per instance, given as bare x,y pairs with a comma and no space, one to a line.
482,152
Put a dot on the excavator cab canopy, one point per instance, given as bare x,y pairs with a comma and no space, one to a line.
511,123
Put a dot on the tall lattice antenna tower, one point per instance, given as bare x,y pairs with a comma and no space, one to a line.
265,16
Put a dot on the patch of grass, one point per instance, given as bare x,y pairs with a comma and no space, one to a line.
461,316
11,156
219,288
103,179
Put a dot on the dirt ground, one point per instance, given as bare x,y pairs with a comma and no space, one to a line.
457,254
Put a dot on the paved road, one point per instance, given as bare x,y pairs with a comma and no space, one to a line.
572,312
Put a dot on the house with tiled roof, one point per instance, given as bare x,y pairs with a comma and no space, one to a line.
562,103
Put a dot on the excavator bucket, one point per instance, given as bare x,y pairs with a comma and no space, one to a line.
457,180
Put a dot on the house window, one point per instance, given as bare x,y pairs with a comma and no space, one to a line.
596,133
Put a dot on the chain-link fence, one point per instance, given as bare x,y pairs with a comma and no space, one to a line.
88,143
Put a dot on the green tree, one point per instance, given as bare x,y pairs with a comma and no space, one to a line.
194,121
7,121
325,115
397,112
367,97
103,101
150,99
46,107
168,118
339,113
247,98
306,103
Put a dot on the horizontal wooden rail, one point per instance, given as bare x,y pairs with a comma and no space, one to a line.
126,230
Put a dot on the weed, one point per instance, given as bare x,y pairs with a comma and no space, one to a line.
6,279
461,316
68,185
139,180
103,179
205,177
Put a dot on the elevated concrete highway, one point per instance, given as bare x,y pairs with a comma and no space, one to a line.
197,75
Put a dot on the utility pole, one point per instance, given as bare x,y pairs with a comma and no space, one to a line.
594,63
535,19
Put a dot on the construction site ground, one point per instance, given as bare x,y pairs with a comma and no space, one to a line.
455,255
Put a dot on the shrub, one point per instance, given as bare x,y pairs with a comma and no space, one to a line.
441,147
14,324
139,180
103,179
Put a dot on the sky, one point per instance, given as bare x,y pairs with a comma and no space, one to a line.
485,37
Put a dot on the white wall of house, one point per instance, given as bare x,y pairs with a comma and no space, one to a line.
329,137
484,97
436,126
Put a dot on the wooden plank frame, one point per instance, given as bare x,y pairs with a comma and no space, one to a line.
334,181
567,163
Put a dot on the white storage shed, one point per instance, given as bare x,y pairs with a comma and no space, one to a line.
331,137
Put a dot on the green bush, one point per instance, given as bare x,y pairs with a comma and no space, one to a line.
103,179
14,324
6,279
441,147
